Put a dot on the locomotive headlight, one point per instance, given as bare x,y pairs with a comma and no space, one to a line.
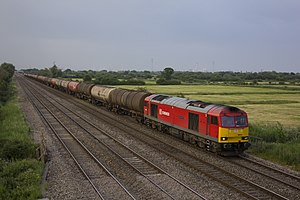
224,138
245,138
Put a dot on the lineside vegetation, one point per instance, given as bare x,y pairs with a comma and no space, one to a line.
20,172
277,143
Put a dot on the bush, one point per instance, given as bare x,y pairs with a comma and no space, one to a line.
133,82
107,81
274,132
16,149
280,144
285,153
142,89
6,73
87,78
20,179
168,82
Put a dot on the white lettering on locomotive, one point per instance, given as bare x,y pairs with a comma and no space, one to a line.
161,112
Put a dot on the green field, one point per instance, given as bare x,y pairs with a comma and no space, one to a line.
261,104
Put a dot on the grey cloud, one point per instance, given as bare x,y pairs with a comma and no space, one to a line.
233,34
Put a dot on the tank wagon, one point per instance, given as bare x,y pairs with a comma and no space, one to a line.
217,128
101,94
84,90
129,101
72,87
64,85
43,79
54,82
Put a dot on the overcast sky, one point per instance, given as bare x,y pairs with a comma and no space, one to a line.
198,35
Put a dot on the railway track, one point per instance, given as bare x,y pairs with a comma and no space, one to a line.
158,177
248,189
92,169
285,178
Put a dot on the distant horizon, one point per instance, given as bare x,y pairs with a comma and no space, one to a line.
158,70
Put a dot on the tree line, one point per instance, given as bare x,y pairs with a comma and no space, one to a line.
239,77
6,73
168,76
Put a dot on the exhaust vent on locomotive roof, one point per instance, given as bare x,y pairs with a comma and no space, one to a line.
200,104
233,109
160,97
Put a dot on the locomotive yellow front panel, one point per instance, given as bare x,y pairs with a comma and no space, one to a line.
233,135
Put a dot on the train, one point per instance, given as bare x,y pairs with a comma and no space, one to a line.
217,128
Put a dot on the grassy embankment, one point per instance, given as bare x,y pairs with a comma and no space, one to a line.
20,172
273,115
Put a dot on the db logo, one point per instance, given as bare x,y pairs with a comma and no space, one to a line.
161,112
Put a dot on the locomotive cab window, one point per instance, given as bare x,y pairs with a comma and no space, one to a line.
214,120
241,121
154,110
232,121
193,121
227,121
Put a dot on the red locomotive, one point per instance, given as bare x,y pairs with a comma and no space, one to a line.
217,128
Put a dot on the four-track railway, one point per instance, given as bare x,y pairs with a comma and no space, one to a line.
243,186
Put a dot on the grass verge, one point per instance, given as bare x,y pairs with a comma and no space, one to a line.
20,172
277,143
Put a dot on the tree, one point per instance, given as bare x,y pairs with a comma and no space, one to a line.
4,75
9,68
6,72
68,71
166,77
87,78
55,72
167,73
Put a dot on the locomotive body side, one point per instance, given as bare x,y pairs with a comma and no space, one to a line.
198,122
